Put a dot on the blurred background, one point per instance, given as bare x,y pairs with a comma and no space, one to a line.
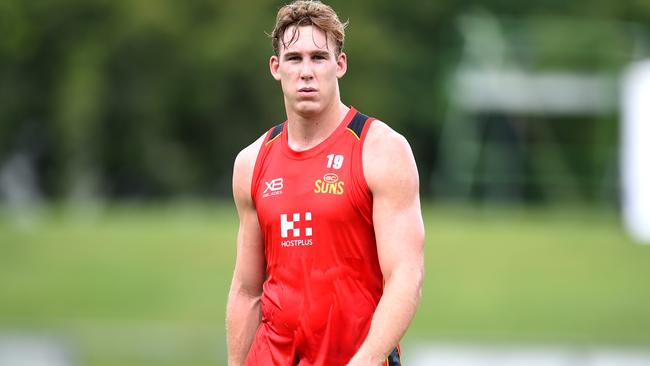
120,121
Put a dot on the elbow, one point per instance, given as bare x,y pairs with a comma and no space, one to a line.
419,266
415,277
243,290
409,277
418,279
252,293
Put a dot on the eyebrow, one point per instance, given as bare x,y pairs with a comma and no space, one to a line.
314,53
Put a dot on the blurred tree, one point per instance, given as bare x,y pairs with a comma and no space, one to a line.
134,98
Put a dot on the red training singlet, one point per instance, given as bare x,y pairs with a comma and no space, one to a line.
323,276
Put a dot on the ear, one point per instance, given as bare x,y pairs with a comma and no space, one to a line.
341,65
274,65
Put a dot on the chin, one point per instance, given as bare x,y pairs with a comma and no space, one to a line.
308,107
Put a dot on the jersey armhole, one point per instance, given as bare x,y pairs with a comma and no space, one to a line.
362,175
270,136
364,194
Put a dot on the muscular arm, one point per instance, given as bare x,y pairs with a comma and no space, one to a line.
243,310
392,176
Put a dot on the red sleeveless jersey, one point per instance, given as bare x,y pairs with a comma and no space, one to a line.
315,213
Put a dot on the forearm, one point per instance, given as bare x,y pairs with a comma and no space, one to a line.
242,320
392,317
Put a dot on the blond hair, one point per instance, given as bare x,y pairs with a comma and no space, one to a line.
307,12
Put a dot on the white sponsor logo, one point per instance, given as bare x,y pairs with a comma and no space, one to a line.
288,229
274,187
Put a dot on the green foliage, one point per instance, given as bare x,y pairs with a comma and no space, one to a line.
134,98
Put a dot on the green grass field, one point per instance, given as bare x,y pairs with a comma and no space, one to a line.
147,285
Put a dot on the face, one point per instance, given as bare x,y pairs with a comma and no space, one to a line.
308,70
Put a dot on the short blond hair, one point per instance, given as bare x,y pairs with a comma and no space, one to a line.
307,12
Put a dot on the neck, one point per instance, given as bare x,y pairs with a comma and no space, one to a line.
307,131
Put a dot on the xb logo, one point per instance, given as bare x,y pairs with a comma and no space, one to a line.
287,226
273,187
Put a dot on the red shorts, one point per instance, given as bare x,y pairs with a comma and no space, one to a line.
271,348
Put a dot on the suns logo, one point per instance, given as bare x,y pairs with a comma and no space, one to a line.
330,184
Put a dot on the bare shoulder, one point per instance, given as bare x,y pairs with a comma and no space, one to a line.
382,139
387,158
247,156
243,170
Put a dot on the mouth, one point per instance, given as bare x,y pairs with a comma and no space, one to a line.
307,92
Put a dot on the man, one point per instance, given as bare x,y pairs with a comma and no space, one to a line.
329,261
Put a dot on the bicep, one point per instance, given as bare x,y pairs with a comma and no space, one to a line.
250,268
393,179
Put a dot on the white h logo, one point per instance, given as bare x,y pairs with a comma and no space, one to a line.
286,225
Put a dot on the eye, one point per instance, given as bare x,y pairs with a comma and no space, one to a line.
319,57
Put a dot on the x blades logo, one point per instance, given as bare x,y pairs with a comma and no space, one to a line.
273,188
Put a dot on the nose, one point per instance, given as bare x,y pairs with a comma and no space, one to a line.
306,71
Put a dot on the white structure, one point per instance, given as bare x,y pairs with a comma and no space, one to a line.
25,350
486,355
493,82
635,151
